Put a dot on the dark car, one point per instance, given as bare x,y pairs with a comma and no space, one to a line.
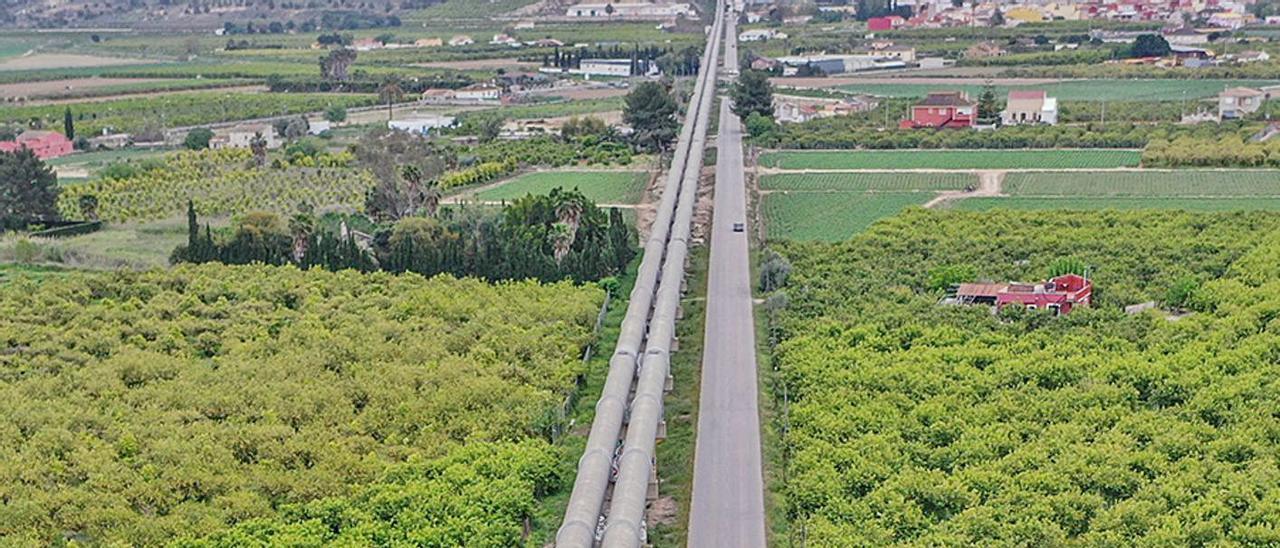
739,227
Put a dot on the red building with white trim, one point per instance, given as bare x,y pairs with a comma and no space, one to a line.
46,144
1059,294
942,109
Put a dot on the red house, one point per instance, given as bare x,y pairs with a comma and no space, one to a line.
46,144
942,109
1059,294
884,23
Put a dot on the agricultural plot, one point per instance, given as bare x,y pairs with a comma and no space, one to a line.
952,159
1078,90
233,406
910,423
831,216
604,187
1117,203
893,182
1152,183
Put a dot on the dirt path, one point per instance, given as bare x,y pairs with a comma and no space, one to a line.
989,183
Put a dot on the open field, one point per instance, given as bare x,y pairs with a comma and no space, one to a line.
1117,203
832,216
38,61
867,181
605,187
1155,183
952,159
1068,90
58,87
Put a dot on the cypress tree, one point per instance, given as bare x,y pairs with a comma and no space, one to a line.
68,125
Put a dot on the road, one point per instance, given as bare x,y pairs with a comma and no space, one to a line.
728,482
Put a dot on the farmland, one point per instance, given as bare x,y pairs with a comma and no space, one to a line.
1118,203
832,216
605,187
910,423
1077,90
952,159
240,404
863,181
1149,183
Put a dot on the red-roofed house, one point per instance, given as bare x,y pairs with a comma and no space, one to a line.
46,144
1059,294
942,109
885,23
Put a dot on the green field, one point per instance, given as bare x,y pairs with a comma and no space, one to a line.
605,187
952,159
1179,183
867,181
1118,203
832,216
1079,90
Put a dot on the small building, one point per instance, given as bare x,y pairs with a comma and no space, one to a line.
984,49
761,35
1024,14
932,62
1236,103
461,40
1029,107
942,109
421,125
637,10
1059,295
45,144
366,44
439,95
428,42
504,39
479,92
764,63
316,127
547,43
885,23
242,136
605,67
110,141
902,53
1185,36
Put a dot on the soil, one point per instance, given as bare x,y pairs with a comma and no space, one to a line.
989,183
65,60
662,512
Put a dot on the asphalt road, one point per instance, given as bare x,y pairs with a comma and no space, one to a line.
728,483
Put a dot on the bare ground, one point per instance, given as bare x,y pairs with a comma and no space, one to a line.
65,60
989,183
702,207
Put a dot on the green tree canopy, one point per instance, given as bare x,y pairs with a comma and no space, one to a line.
650,111
28,190
752,93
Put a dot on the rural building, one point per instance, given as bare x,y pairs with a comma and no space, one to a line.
884,23
110,141
439,95
932,62
428,42
242,136
1024,14
764,63
605,67
639,10
547,43
461,40
316,127
1030,107
421,125
366,44
1185,36
788,109
761,35
504,40
479,92
1238,102
1059,294
942,109
984,49
45,144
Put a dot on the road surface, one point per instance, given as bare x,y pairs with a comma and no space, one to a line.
728,482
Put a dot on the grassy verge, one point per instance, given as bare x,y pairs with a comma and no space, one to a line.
675,454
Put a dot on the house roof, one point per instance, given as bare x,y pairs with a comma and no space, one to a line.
980,289
1241,92
1018,95
35,135
945,99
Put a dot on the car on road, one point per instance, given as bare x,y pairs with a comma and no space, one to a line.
739,227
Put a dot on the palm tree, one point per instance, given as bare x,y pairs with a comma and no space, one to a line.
561,241
431,197
390,92
569,212
301,227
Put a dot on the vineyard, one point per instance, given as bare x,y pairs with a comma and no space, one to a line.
295,407
605,187
952,159
1178,183
180,109
868,181
832,216
909,423
219,182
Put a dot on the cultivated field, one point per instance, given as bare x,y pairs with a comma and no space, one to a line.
867,181
832,216
1074,90
1155,183
1117,203
605,187
952,159
64,60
